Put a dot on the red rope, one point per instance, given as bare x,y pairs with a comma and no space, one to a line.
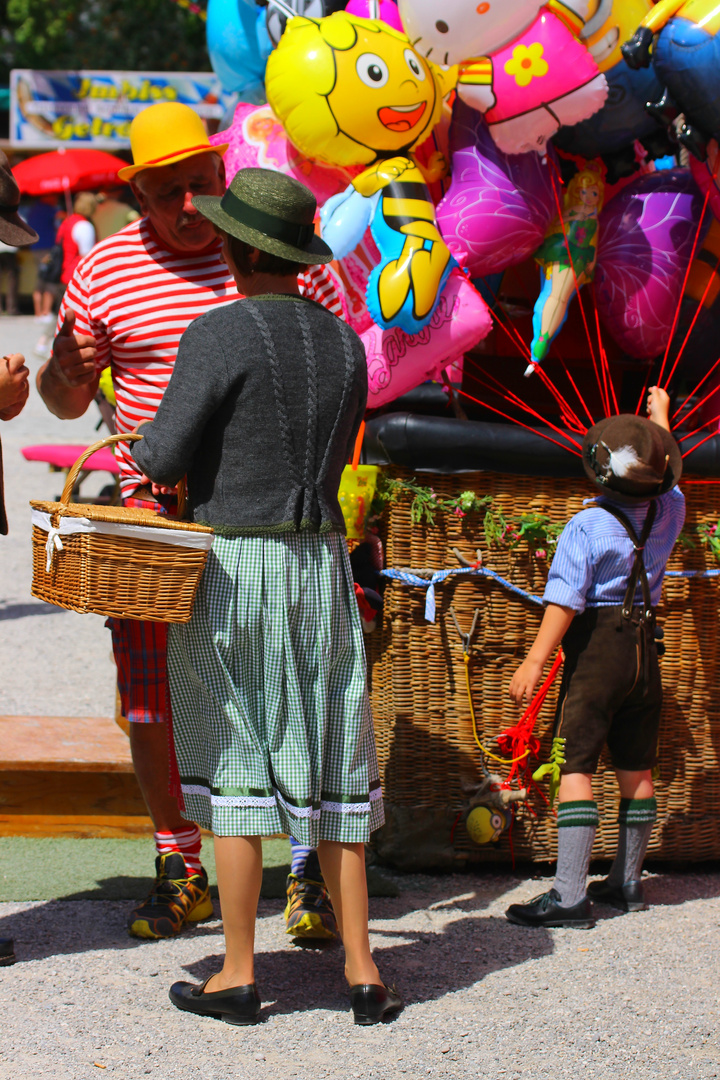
684,280
525,349
706,439
512,332
687,399
513,399
711,393
697,430
581,399
527,427
692,324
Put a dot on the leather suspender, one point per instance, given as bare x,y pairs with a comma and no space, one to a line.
646,628
638,568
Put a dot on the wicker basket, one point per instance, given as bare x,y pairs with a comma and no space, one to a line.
422,720
114,560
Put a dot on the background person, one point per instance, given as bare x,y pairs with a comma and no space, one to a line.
268,679
127,305
76,237
9,278
42,216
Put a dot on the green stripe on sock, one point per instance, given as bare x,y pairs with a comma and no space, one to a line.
637,811
579,812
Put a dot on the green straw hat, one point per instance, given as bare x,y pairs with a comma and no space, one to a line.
269,211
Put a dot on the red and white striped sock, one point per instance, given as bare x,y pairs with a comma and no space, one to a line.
185,841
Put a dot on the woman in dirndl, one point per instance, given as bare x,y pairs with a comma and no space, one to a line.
271,717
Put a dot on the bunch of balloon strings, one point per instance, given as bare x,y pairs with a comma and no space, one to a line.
574,419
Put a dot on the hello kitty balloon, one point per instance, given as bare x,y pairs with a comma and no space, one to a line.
520,62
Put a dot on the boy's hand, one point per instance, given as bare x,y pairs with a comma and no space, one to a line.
658,406
523,683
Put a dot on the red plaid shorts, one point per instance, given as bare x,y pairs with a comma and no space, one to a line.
140,650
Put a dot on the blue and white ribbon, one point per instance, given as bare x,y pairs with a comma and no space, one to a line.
440,575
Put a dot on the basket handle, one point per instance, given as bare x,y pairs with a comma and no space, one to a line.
129,436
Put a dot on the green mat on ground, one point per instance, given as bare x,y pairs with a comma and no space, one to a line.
64,868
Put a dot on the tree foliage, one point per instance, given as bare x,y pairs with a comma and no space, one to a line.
125,35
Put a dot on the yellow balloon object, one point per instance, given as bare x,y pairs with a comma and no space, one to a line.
348,89
357,490
484,824
604,42
106,385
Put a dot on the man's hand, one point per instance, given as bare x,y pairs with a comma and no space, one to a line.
157,489
523,683
73,356
14,386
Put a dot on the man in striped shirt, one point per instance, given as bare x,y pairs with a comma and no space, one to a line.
127,305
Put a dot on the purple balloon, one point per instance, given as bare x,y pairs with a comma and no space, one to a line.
498,206
646,238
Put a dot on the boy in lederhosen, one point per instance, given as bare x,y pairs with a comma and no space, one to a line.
602,591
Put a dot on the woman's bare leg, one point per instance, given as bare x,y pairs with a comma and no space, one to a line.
343,867
238,861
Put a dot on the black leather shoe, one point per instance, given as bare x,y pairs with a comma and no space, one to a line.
372,1003
237,1005
545,910
7,952
627,897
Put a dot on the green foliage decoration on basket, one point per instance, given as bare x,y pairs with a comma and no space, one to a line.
531,528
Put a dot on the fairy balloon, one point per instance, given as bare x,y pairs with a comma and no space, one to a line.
566,258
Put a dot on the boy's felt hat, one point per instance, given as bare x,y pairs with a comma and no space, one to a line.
270,211
166,133
631,458
13,230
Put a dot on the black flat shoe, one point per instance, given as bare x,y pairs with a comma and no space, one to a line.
372,1003
627,897
546,910
236,1005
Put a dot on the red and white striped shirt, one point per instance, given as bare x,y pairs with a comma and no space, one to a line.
137,298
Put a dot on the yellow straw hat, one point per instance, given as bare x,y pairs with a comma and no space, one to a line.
165,133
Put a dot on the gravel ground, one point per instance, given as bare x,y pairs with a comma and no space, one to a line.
53,662
633,999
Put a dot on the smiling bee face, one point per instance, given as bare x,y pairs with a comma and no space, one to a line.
385,95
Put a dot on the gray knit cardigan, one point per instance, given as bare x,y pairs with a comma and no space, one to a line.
261,413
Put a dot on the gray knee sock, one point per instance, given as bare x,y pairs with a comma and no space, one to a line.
636,819
577,825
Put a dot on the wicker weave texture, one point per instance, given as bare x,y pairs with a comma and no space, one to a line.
125,577
422,720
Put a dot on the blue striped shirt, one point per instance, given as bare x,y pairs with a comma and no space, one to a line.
594,554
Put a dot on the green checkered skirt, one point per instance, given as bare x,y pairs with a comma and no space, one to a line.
271,716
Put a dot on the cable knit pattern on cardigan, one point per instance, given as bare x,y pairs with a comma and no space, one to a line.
262,411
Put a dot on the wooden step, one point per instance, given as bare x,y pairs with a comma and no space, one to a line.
70,776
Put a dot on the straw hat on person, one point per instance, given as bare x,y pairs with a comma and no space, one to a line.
631,458
13,230
269,211
166,133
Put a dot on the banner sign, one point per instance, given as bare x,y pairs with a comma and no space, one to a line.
49,109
